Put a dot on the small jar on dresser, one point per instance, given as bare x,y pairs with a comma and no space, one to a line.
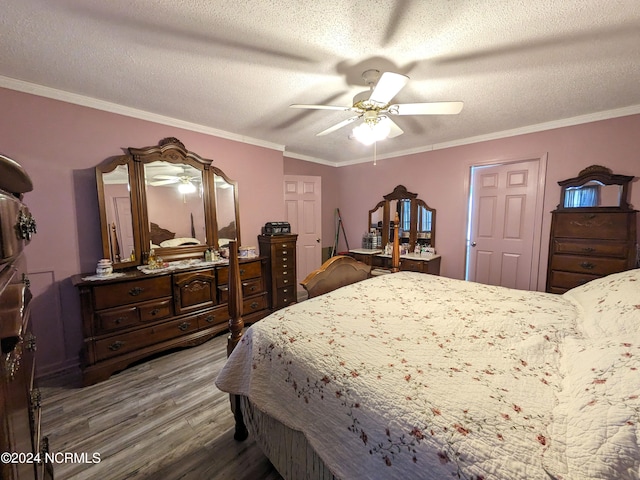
280,251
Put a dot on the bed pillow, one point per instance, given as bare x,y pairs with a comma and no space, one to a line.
599,408
176,242
609,305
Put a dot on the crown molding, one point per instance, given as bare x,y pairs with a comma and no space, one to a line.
84,101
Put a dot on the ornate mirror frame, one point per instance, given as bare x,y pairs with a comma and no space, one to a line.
171,152
600,178
398,200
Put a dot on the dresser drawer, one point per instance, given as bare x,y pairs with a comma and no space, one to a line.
194,291
216,316
250,305
411,265
129,342
285,277
286,296
249,287
560,282
155,311
116,294
117,318
590,247
591,265
602,225
247,270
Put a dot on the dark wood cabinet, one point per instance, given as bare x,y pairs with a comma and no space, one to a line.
280,251
20,409
130,317
588,245
593,230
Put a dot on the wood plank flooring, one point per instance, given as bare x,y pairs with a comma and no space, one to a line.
162,419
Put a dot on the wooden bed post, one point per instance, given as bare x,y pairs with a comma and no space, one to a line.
395,254
236,323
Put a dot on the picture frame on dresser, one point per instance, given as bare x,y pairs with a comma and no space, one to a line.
593,229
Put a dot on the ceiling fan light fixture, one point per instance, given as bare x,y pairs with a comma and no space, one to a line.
368,133
186,187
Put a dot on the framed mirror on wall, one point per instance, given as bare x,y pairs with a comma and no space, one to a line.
166,199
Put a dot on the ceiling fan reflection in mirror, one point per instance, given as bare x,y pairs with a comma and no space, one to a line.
374,107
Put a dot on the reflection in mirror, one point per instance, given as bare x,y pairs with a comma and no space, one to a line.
175,205
593,194
117,206
376,217
226,215
425,219
404,214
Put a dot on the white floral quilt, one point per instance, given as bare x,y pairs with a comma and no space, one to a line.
423,377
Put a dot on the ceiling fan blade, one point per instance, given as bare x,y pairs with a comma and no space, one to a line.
395,129
434,108
163,182
321,107
165,177
388,86
338,126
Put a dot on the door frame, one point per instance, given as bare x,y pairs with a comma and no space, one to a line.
541,158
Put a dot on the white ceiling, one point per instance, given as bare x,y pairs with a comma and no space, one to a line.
232,67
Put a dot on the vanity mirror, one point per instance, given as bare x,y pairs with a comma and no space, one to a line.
595,186
417,219
167,199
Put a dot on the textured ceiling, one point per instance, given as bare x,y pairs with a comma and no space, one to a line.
233,67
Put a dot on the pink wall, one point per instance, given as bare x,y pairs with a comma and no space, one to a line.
440,177
59,145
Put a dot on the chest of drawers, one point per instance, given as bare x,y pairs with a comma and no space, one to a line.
589,244
128,318
280,251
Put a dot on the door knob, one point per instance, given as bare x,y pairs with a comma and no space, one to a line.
473,244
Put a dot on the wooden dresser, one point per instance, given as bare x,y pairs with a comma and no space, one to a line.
588,242
131,317
409,262
280,250
20,411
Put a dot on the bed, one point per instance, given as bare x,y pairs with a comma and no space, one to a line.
411,375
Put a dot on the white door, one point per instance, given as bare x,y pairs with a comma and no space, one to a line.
124,226
503,224
303,207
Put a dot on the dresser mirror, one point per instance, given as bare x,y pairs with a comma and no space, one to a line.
167,199
595,187
417,219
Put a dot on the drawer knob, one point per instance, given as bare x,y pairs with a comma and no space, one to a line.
209,319
587,265
30,342
254,305
184,325
242,271
135,291
588,249
115,346
285,281
154,312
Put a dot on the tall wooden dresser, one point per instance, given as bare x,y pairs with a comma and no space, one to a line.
593,230
22,447
280,251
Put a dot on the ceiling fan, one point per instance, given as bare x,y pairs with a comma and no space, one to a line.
169,179
375,108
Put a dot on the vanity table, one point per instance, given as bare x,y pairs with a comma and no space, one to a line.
593,229
416,228
413,262
163,209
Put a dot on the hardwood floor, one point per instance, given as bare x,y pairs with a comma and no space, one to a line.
162,419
